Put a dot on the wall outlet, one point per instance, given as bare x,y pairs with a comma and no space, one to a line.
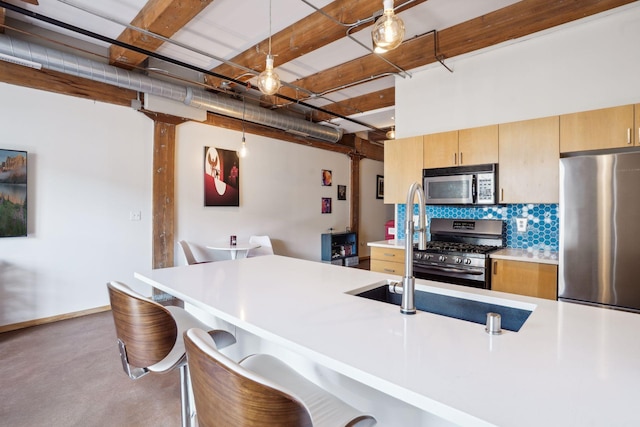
521,225
135,216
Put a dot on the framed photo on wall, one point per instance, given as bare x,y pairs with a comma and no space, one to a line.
326,177
326,205
13,193
342,192
379,187
221,177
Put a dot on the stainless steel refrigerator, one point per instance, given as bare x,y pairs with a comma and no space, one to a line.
600,230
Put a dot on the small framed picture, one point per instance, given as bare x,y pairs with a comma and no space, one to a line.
326,177
326,205
342,192
379,187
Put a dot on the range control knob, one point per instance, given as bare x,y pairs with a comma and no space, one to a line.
427,256
467,261
458,260
442,258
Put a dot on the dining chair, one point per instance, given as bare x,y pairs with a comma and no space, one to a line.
260,390
151,338
188,253
266,248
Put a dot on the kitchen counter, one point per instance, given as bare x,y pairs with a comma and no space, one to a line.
393,244
569,365
526,256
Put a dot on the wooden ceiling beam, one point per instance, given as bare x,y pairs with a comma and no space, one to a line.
359,104
3,17
310,33
65,84
512,22
163,17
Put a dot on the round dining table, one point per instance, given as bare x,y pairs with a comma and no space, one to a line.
239,248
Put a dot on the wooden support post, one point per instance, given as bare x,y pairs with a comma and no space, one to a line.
164,142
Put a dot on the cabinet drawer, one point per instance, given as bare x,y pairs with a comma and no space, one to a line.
387,254
387,267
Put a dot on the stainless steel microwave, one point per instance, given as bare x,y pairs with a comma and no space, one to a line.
461,185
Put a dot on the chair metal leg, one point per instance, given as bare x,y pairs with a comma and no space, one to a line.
187,408
133,372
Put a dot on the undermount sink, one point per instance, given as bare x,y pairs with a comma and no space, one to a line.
512,318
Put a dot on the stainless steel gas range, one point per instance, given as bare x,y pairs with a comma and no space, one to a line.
458,251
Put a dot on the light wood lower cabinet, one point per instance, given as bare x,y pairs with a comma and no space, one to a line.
387,260
525,278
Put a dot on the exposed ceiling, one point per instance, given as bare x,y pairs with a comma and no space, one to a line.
322,48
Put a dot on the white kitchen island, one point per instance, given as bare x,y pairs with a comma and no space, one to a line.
569,365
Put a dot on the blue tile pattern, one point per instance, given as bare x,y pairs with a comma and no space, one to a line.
543,222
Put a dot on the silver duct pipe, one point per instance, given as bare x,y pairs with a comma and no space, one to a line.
56,60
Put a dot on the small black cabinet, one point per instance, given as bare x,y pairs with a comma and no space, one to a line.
340,248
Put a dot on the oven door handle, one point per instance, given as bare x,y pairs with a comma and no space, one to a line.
450,270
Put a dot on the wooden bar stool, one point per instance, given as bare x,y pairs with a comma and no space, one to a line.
151,338
259,391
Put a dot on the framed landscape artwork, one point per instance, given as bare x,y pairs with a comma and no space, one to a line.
13,193
221,177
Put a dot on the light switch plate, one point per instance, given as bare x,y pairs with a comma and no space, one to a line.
521,224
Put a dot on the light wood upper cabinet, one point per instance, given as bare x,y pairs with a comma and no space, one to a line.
402,167
529,161
478,146
474,146
598,129
525,278
440,150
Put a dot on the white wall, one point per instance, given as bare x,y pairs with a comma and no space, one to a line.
280,193
373,212
89,166
591,65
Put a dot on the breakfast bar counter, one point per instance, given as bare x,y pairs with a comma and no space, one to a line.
569,365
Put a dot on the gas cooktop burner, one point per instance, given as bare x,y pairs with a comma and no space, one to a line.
436,246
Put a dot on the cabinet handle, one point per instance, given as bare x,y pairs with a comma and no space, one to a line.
628,135
502,194
461,162
495,268
389,270
455,158
386,254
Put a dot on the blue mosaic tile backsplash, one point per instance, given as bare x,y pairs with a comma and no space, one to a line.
543,222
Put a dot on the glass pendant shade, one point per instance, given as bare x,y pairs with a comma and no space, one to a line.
388,31
268,80
391,134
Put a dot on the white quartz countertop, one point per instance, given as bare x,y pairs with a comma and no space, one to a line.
569,365
393,243
542,257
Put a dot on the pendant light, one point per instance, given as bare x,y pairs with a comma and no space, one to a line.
243,148
388,31
392,133
268,80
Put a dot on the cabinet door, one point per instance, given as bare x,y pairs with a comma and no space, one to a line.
402,167
440,150
529,161
525,278
597,129
637,125
478,146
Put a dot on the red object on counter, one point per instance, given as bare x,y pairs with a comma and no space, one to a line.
387,228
